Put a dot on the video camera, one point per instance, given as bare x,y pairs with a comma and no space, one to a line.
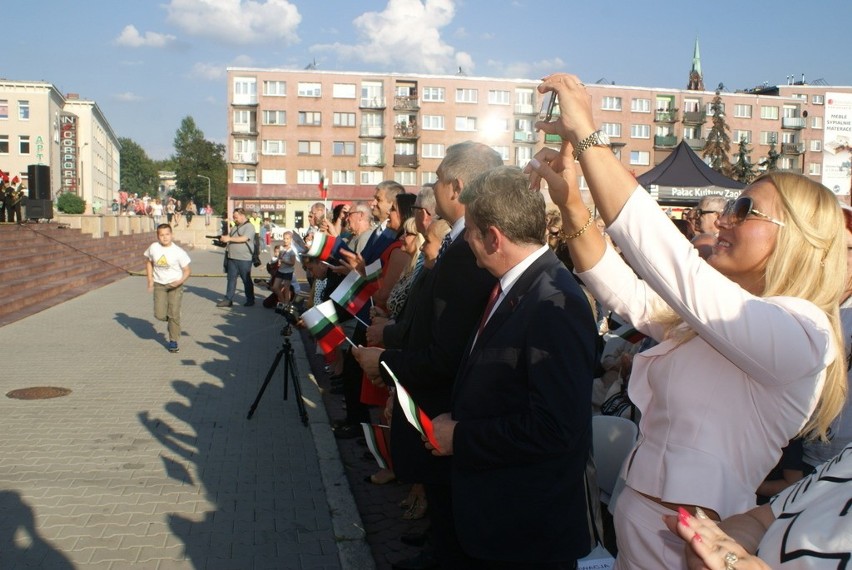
289,311
216,241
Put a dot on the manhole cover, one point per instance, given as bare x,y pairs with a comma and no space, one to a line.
38,393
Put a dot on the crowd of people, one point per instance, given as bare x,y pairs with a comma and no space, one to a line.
489,316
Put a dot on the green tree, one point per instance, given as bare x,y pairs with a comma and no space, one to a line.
718,140
743,169
138,172
771,160
195,155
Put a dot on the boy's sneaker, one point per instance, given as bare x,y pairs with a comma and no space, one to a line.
172,346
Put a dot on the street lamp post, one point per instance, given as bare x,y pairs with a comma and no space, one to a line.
208,187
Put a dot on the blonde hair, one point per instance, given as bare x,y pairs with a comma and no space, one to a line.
808,262
409,226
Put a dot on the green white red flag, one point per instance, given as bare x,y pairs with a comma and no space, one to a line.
413,413
378,442
325,246
322,323
355,290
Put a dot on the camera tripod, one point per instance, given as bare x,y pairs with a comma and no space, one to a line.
286,351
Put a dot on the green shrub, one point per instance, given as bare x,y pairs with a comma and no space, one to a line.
70,203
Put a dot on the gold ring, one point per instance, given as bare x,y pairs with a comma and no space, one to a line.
730,560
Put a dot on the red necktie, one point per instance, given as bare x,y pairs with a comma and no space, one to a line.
492,300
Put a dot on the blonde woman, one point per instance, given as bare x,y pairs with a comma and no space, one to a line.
750,349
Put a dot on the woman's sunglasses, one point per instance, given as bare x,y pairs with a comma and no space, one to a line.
737,211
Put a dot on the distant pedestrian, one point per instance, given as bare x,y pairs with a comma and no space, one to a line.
208,213
167,268
239,252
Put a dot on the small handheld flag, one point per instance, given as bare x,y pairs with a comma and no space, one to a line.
413,413
355,290
322,323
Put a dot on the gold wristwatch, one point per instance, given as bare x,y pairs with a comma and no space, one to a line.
597,138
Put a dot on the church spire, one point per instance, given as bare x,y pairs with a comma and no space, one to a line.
696,79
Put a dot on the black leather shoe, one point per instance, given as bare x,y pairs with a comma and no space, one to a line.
422,561
248,304
347,431
412,538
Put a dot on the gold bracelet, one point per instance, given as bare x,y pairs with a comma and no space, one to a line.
579,232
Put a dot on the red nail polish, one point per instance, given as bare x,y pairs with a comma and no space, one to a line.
696,537
683,516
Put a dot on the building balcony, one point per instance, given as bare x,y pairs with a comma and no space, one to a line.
552,139
665,141
525,109
371,160
406,160
243,101
696,144
245,157
792,148
405,131
406,103
665,116
372,132
525,137
373,103
244,130
793,123
694,117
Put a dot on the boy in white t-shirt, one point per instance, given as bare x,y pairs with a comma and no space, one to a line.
167,268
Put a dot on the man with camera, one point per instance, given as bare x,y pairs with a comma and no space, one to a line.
239,251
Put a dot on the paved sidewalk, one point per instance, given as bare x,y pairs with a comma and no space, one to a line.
150,461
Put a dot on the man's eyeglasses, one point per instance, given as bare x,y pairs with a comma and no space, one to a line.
737,211
425,211
699,213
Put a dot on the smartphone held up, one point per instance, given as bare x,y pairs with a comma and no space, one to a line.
549,105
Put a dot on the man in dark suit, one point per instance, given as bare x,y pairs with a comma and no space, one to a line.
520,428
449,305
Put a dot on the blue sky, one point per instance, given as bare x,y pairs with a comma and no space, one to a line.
149,64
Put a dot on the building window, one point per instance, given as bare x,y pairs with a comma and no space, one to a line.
24,110
343,177
372,94
245,91
4,108
770,113
432,150
768,137
405,148
371,177
691,105
640,131
275,117
245,150
433,122
640,105
816,145
465,123
742,111
343,90
816,122
523,154
640,157
24,144
709,109
435,94
310,90
498,97
739,136
818,99
245,175
503,151
310,118
785,163
308,176
343,119
405,177
273,147
309,147
467,95
273,176
4,144
611,104
343,148
612,129
275,88
242,121
429,178
814,169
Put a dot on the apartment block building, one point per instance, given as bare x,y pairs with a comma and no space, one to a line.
41,126
293,133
